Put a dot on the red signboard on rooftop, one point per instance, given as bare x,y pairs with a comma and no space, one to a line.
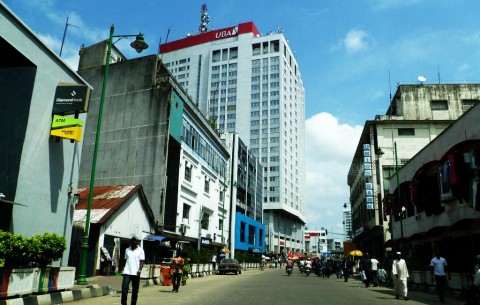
242,28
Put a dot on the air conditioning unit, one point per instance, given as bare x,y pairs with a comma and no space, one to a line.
185,221
183,229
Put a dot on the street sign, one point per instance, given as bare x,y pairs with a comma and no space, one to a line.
62,122
72,133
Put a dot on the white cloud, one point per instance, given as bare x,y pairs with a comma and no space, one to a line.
330,147
355,41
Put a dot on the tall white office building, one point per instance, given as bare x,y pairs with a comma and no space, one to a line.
248,83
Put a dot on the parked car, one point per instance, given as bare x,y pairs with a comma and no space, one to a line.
229,265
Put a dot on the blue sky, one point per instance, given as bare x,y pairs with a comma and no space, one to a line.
351,55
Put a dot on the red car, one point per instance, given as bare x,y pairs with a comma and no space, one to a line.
229,265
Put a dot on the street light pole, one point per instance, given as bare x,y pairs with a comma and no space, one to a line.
399,197
140,45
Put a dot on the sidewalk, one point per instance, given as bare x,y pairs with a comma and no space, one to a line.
96,286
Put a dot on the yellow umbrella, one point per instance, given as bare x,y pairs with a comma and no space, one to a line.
356,253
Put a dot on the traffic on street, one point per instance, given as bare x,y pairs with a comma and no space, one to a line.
269,287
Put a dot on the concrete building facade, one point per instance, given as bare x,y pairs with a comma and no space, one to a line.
245,197
153,135
440,190
416,116
250,84
316,243
38,172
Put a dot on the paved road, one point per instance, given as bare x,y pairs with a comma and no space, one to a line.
268,287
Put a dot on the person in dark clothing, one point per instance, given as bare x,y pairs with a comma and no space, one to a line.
328,267
366,267
345,268
338,267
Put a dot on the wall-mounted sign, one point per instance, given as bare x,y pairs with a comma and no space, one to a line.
233,31
71,98
66,128
71,133
206,241
370,206
62,121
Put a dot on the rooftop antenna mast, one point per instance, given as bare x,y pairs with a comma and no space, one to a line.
390,85
204,19
65,34
438,69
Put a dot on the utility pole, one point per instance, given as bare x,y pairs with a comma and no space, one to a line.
65,34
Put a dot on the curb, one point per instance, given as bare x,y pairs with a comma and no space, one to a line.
59,297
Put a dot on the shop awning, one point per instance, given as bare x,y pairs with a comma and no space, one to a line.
155,237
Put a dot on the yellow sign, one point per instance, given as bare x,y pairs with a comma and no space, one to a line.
72,133
63,121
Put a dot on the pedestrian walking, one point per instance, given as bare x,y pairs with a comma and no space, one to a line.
214,262
473,292
135,259
187,269
338,267
176,269
345,268
400,277
366,268
375,264
381,277
439,267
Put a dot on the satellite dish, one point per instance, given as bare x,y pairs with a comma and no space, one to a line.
422,78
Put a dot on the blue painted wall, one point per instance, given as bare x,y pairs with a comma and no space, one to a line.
245,227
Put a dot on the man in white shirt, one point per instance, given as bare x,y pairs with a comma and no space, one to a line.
301,264
400,276
439,266
214,262
135,259
375,263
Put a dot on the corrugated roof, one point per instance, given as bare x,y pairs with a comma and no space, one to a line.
105,201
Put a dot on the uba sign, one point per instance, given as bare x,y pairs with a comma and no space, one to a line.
233,31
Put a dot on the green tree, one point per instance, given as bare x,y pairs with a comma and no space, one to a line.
42,250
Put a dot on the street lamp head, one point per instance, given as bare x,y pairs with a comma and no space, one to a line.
139,44
380,152
345,205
